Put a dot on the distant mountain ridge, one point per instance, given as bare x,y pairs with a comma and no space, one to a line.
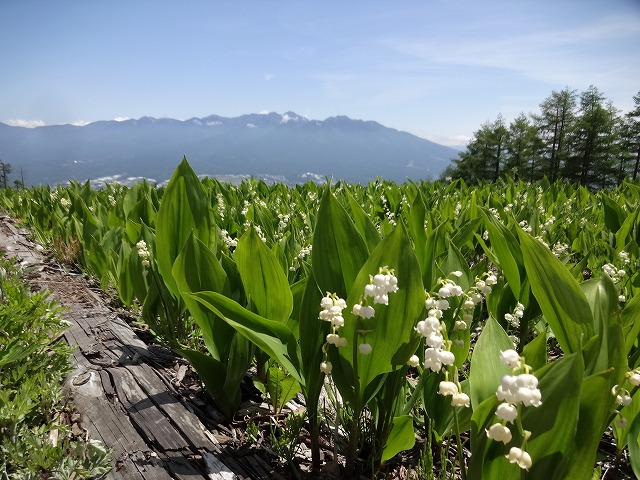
281,147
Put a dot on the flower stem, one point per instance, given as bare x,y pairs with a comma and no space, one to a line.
354,434
463,469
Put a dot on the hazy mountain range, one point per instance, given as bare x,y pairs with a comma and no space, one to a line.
287,148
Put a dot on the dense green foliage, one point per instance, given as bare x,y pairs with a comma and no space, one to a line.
581,138
465,284
34,443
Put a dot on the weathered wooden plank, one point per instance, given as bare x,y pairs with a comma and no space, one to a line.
184,421
181,467
216,470
144,413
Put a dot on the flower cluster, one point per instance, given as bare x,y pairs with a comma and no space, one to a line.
514,317
381,285
226,238
332,307
634,377
65,202
220,206
458,398
560,249
519,456
624,257
525,227
144,254
437,354
515,390
613,272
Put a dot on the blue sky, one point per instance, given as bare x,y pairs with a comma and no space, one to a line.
437,69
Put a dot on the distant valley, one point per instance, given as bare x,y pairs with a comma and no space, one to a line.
285,148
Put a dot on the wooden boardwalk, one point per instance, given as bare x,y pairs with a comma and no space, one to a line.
122,387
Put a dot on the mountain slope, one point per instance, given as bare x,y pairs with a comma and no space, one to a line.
265,145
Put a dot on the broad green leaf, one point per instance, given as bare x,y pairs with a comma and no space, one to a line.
312,336
596,403
561,300
213,374
195,270
633,440
271,336
466,232
402,437
184,209
455,261
623,234
630,324
338,249
482,448
392,326
486,367
614,216
553,424
535,352
602,296
363,223
417,229
506,249
265,283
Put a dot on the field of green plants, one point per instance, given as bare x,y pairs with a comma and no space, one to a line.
496,325
35,441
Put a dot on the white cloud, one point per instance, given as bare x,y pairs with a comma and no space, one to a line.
80,123
25,123
560,56
121,119
449,140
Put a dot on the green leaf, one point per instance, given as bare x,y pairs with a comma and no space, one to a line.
535,352
553,424
630,323
506,249
264,281
281,387
271,336
416,224
363,223
338,249
596,403
633,440
213,374
561,300
486,367
392,326
313,332
614,216
602,296
455,261
184,209
195,270
402,437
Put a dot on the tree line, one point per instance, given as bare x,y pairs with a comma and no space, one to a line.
5,171
579,137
